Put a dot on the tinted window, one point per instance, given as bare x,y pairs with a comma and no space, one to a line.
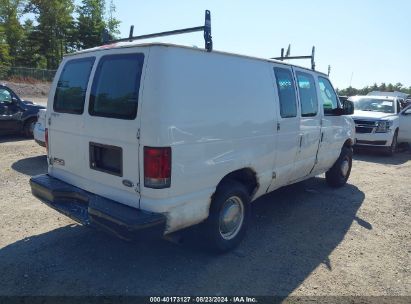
286,92
72,86
115,87
327,95
308,94
5,96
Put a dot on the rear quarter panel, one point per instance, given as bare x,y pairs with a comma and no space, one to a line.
216,111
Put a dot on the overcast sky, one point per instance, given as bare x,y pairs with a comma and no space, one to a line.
368,41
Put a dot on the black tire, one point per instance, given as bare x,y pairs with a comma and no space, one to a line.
29,127
394,145
335,176
227,193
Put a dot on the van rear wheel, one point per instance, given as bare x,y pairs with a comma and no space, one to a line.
339,173
229,217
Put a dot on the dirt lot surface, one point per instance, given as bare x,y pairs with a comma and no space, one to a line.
306,239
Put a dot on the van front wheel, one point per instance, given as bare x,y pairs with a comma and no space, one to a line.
338,175
229,217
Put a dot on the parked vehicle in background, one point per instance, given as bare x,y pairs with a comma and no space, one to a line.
390,94
343,99
400,96
210,132
377,122
40,128
407,102
16,115
404,134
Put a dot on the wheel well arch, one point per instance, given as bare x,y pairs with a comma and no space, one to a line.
28,118
246,176
348,143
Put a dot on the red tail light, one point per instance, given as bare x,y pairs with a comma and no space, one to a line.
157,167
46,138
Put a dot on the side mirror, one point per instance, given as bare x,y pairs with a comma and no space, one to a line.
14,100
348,107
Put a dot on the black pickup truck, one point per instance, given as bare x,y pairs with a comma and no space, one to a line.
16,115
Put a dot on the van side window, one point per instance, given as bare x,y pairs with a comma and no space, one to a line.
327,95
286,92
116,84
72,86
308,94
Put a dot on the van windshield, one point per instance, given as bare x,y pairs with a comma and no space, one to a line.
374,105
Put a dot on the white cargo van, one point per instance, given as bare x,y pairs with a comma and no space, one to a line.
147,139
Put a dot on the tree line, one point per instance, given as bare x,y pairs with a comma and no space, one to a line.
383,87
37,33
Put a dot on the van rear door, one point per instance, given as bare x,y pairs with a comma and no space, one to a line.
65,119
102,156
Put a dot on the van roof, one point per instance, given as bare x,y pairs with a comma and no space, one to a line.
119,45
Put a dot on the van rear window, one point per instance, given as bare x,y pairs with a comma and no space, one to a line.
116,84
72,86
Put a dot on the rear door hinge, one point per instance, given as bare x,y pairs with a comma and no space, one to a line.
137,188
138,134
278,126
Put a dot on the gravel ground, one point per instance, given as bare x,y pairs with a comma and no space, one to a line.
306,239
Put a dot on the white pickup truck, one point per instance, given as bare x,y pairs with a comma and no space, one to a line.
379,123
152,138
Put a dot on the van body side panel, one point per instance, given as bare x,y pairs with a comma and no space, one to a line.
218,114
335,129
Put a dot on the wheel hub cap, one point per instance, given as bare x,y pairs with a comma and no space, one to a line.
231,217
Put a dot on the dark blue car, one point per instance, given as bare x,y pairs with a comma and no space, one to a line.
16,115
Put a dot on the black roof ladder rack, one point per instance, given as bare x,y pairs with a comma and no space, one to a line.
287,56
206,28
